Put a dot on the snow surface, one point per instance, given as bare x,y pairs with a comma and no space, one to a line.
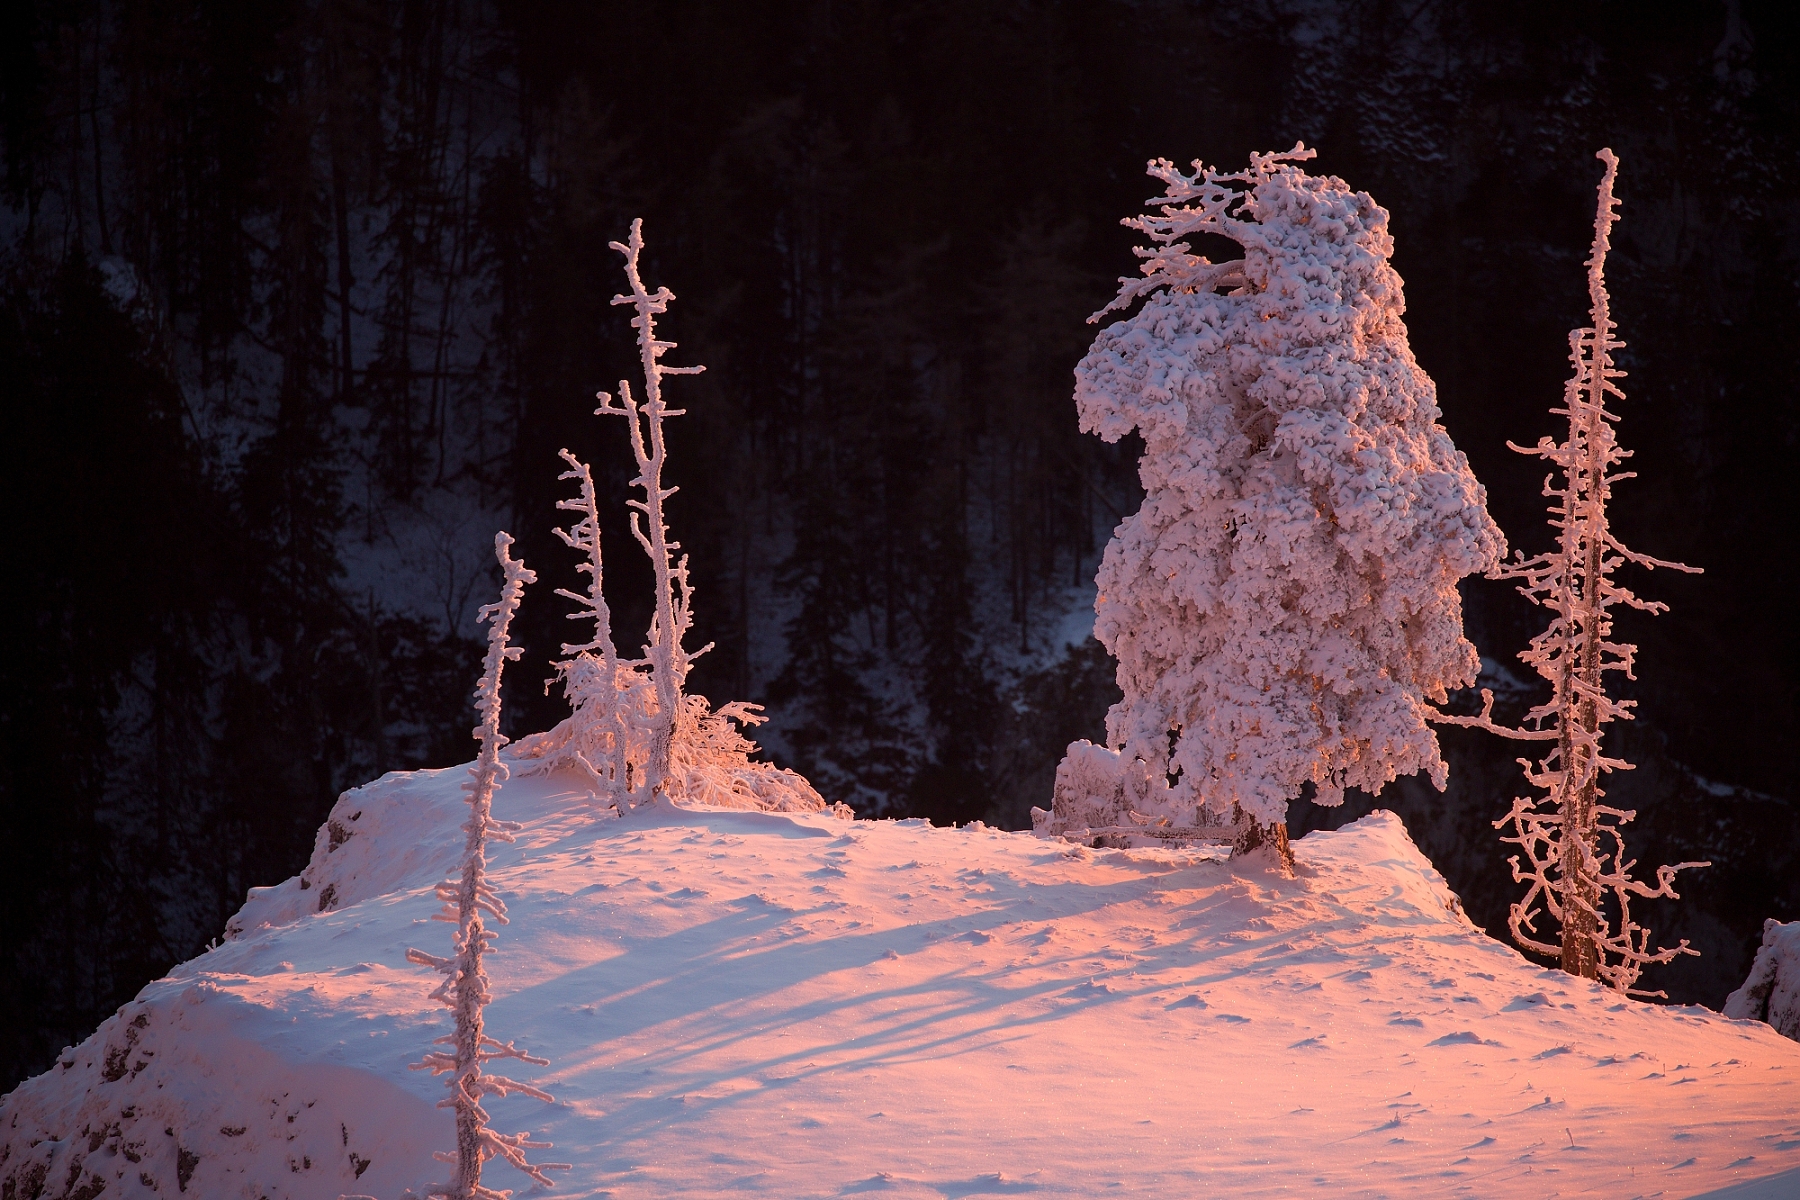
792,1005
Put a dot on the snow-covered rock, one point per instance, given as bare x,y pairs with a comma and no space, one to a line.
791,1005
1771,991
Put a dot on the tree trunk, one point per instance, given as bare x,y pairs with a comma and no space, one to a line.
1581,892
1580,923
1579,955
1249,835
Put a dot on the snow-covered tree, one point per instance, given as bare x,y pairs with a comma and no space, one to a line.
604,692
466,899
634,732
1573,845
1284,603
1771,992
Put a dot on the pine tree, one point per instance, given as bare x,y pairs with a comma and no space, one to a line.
1573,845
465,986
1284,602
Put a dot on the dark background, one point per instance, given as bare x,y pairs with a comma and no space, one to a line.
296,295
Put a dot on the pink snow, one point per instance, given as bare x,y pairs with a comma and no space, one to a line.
793,1005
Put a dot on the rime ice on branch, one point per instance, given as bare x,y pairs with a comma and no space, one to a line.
1573,845
1284,602
465,986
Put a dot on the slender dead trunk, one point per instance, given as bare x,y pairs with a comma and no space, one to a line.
669,618
1580,925
1573,851
1581,895
466,898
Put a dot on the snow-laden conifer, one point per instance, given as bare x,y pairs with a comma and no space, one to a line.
466,899
635,733
1284,603
1573,846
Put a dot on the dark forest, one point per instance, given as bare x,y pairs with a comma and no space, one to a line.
299,300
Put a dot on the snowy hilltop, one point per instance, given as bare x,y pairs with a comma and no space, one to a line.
789,1004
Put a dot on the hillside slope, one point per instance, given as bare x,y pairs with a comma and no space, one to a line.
749,1003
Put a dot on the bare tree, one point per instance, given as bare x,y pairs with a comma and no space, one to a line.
465,986
1572,844
634,733
599,686
670,618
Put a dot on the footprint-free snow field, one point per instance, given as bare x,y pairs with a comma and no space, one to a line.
742,1003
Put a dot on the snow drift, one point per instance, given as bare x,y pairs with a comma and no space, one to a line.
794,1005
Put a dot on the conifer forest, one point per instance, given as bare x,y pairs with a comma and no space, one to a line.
301,299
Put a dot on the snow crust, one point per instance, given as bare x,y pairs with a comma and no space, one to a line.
750,1003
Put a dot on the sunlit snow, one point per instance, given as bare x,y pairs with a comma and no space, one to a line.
796,1005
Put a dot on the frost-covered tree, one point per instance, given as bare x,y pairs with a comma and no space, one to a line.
1284,603
1573,845
466,899
1771,992
634,732
670,616
604,692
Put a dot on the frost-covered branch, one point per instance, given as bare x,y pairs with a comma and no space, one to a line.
465,901
600,688
1191,204
1485,720
584,536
